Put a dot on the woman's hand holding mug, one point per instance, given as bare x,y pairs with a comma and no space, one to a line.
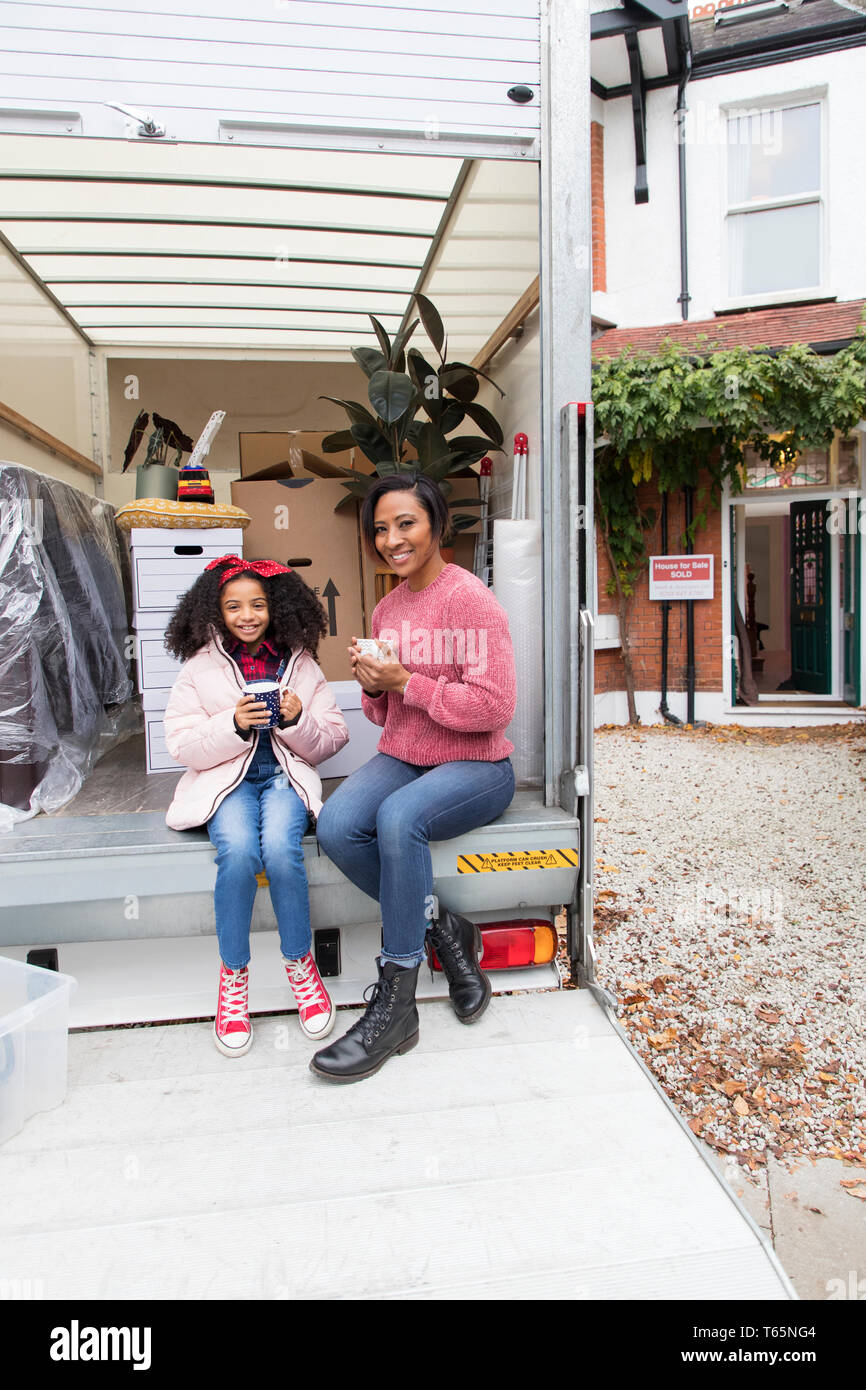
374,676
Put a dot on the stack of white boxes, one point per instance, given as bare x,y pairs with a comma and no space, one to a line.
164,565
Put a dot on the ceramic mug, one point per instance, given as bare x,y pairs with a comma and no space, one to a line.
268,693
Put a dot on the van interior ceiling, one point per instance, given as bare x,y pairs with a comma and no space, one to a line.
140,251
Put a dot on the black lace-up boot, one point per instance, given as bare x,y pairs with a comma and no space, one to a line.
389,1025
457,943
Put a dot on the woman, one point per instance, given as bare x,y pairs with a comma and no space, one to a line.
442,767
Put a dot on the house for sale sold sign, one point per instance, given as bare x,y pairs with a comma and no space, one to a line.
681,576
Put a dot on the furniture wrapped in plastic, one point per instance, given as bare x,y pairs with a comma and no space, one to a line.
65,685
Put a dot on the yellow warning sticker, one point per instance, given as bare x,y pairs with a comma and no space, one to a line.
508,861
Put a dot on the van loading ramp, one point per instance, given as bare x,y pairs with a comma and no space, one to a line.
453,1173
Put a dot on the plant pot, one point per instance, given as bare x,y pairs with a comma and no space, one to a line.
447,553
156,480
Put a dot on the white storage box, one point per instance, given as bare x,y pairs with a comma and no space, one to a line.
364,735
166,563
157,670
34,1032
153,702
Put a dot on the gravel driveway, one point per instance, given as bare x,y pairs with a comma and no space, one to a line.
730,924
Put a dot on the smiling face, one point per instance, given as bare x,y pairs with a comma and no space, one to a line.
404,537
244,609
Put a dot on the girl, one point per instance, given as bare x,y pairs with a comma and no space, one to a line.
442,766
256,791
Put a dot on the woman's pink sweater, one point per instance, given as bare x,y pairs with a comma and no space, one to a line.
453,637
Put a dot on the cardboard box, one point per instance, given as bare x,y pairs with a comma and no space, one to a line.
270,454
293,521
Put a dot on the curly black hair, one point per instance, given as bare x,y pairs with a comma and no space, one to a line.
296,616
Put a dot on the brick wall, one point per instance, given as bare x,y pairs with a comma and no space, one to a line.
645,617
599,263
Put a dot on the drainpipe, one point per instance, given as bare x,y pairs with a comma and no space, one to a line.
663,704
685,74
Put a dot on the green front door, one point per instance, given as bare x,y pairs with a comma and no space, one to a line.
810,597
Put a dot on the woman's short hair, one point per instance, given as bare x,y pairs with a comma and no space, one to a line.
424,490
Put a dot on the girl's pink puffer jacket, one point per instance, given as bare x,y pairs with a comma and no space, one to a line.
200,732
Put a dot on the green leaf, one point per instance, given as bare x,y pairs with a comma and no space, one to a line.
430,444
357,413
370,360
384,340
471,446
391,395
452,416
425,379
460,380
431,321
371,441
402,338
485,421
476,371
337,443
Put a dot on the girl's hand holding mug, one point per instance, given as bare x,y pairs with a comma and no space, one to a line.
290,705
251,713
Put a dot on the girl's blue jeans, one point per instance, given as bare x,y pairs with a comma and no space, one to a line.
378,824
260,826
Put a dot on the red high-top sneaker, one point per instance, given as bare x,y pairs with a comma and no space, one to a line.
232,1030
316,1013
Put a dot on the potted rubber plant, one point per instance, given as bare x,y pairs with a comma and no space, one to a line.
414,411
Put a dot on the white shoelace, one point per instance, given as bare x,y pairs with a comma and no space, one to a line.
234,1002
305,984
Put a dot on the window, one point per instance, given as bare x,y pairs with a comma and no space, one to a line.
774,200
838,466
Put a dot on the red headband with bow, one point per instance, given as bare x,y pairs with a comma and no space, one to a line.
234,566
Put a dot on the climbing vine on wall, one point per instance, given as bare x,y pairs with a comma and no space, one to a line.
679,419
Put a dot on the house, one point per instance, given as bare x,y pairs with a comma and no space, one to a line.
728,177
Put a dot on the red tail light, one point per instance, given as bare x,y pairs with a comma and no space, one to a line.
508,945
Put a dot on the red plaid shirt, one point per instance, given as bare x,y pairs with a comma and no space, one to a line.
261,667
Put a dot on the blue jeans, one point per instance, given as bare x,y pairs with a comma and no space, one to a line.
260,826
378,824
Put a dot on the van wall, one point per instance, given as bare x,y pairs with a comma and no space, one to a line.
44,376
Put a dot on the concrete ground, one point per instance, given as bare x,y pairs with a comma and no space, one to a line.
817,1229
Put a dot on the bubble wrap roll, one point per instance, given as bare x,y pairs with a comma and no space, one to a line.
517,586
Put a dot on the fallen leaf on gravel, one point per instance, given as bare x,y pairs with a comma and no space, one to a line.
666,1038
825,1076
731,1088
768,1015
778,1062
741,1107
856,1188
